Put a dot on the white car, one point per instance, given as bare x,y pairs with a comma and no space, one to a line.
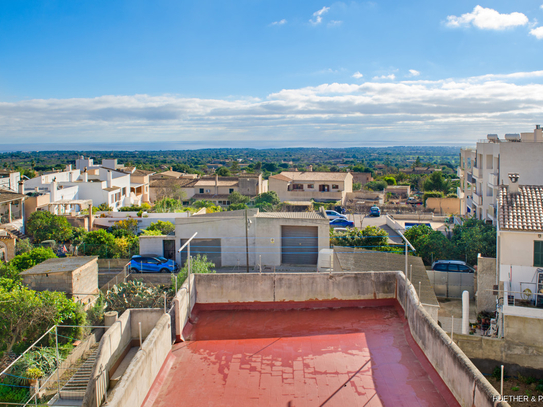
334,215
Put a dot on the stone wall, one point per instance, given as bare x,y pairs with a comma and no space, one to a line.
485,278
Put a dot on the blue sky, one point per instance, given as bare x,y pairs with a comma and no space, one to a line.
268,73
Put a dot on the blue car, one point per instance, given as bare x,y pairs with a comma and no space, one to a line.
152,264
375,211
341,223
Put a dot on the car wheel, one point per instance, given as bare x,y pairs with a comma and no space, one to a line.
164,270
134,270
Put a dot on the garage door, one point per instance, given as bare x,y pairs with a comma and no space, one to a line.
299,244
210,247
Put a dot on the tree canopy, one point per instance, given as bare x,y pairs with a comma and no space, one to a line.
43,225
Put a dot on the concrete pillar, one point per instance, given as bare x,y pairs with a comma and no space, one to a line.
53,191
110,317
85,176
21,187
465,312
9,212
109,179
91,218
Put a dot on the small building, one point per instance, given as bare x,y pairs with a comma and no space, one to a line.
75,276
229,238
361,177
399,191
7,246
12,210
309,185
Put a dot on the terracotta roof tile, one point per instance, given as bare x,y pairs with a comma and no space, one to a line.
522,210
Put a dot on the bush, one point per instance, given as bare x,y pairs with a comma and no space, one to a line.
369,238
98,243
164,228
29,259
43,225
237,207
376,185
200,265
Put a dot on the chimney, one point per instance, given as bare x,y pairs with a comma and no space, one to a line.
71,176
21,187
85,175
109,179
68,167
216,184
513,184
310,168
53,191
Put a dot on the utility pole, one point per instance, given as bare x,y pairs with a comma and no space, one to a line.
247,240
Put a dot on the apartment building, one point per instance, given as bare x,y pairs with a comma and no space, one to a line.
484,168
317,186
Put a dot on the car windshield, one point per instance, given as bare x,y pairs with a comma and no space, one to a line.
162,259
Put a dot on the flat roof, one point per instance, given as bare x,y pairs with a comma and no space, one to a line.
60,265
347,356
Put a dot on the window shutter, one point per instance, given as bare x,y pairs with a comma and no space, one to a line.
538,253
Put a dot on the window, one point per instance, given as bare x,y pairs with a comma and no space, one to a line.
310,186
324,188
297,187
208,191
124,191
201,190
335,186
231,190
538,253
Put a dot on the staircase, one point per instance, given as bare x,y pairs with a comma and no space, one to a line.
77,385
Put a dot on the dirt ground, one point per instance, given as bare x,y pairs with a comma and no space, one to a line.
515,387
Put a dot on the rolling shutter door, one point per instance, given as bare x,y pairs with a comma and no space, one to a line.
210,247
299,244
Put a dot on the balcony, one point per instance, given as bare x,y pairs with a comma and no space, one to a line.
493,180
477,172
477,199
460,172
491,213
459,193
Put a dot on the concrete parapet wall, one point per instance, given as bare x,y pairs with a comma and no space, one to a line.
465,381
112,345
143,369
282,287
106,264
183,306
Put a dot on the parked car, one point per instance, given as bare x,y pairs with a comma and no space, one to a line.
334,215
375,211
341,223
338,231
152,264
452,266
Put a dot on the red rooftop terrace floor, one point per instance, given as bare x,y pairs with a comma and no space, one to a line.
347,356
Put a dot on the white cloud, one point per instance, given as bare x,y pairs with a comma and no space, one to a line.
280,22
416,112
391,77
318,15
537,32
335,23
357,75
413,72
487,19
541,7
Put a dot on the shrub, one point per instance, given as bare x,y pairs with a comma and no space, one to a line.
43,225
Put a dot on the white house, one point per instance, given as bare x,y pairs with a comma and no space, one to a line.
307,186
267,238
520,245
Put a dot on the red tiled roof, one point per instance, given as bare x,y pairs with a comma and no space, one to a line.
522,210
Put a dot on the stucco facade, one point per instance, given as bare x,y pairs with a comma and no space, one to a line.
307,186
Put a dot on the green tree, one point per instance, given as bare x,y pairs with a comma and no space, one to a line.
164,227
369,238
234,168
237,207
167,205
472,237
98,243
237,198
223,172
29,259
429,244
130,226
376,185
43,225
357,186
436,182
390,180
